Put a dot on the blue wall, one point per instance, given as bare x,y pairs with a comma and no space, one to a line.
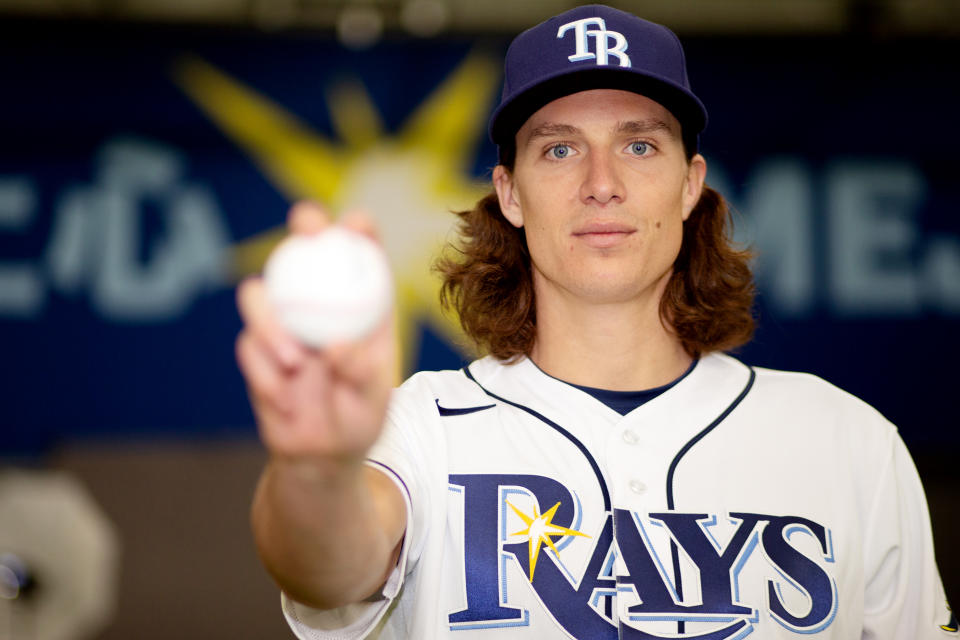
121,202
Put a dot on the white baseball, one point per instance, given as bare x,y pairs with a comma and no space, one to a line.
328,287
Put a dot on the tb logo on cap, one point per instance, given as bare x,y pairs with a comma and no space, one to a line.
581,30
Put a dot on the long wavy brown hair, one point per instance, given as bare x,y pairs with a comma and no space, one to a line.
487,280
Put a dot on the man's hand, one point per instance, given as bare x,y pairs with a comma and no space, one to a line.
326,406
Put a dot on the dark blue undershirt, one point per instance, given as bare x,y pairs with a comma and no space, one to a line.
623,402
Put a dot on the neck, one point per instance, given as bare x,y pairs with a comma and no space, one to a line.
614,346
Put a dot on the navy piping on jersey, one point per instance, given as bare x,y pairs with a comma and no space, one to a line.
674,553
695,439
569,436
405,487
395,475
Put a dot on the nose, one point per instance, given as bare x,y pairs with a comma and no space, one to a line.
602,182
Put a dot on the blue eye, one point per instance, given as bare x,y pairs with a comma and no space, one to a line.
639,148
559,151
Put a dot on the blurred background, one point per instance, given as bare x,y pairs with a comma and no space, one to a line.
149,150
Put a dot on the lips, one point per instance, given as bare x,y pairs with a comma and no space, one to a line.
603,234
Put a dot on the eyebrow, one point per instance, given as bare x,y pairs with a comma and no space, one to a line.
551,129
632,127
644,126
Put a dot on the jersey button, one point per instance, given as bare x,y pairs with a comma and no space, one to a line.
637,487
630,437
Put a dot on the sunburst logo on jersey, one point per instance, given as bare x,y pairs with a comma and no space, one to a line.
952,625
408,181
541,531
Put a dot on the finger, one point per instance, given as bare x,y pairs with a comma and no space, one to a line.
307,217
265,380
261,321
361,222
349,364
369,362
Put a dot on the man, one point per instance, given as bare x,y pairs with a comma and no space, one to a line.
606,472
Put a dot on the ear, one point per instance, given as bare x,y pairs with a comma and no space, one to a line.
507,195
693,185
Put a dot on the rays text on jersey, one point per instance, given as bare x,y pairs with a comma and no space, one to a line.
740,570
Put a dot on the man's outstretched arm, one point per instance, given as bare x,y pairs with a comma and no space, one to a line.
327,526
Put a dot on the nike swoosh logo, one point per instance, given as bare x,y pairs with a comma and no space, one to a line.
444,411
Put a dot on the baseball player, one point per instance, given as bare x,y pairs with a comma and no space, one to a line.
606,471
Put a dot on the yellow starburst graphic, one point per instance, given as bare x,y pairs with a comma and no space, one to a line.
951,626
541,531
409,181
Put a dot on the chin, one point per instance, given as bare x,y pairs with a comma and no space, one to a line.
607,292
613,288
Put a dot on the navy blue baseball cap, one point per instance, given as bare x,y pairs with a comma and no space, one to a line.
594,47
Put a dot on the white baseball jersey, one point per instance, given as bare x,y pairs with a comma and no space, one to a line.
740,501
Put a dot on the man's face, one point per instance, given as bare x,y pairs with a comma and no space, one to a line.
601,186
